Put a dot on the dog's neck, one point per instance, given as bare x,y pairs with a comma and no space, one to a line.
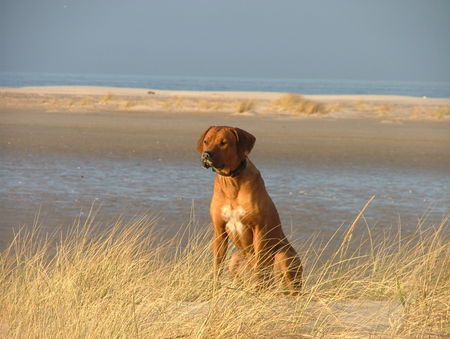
231,187
235,172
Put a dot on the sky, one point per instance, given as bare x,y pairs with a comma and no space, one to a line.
400,40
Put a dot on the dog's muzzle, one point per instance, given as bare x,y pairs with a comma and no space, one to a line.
206,159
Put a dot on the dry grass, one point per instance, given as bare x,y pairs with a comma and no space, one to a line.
87,100
441,112
175,103
384,110
286,104
419,112
206,105
333,107
295,103
361,105
126,282
126,104
244,106
106,99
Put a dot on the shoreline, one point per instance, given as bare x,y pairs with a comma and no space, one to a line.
269,95
385,108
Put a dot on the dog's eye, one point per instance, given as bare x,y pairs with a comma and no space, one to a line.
223,143
205,142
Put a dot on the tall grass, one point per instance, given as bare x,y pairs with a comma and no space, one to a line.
245,106
441,112
295,103
125,281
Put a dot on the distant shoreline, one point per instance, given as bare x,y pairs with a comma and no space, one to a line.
386,108
432,89
129,91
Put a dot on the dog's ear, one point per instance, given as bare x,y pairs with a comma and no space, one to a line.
245,142
200,141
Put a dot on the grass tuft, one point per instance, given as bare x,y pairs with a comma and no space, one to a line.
106,99
441,112
295,103
244,106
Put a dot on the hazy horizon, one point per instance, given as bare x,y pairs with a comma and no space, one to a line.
352,40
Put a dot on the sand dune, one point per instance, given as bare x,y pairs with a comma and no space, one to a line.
385,108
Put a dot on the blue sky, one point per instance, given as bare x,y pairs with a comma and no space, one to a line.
323,39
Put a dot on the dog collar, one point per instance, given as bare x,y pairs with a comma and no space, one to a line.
235,172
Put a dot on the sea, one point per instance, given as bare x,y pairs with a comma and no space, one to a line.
304,86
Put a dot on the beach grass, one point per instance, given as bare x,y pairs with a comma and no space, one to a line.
126,281
296,103
244,106
441,112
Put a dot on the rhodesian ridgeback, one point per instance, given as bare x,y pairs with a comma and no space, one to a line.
242,211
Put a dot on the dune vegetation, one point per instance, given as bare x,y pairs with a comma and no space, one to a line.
86,99
126,281
296,103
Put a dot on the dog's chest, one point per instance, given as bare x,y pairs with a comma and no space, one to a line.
233,219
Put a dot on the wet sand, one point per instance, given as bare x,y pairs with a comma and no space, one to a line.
411,144
105,121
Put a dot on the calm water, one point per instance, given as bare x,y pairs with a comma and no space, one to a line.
310,198
306,86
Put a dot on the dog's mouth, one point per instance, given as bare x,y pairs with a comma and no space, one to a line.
207,163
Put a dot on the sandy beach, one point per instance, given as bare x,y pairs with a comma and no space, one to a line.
96,121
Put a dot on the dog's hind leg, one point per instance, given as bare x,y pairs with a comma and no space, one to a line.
239,265
288,270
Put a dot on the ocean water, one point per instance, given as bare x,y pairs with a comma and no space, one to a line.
305,86
312,199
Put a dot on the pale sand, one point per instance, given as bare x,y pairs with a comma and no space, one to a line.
144,92
384,108
365,317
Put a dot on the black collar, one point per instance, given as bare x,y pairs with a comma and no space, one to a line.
235,172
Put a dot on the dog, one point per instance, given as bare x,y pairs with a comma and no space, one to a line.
243,212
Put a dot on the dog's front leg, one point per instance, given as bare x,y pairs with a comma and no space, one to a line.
263,258
219,247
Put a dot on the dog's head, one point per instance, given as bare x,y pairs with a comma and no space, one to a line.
224,148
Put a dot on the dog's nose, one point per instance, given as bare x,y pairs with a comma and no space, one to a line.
207,155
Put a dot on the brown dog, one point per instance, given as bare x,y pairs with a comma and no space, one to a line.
241,210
